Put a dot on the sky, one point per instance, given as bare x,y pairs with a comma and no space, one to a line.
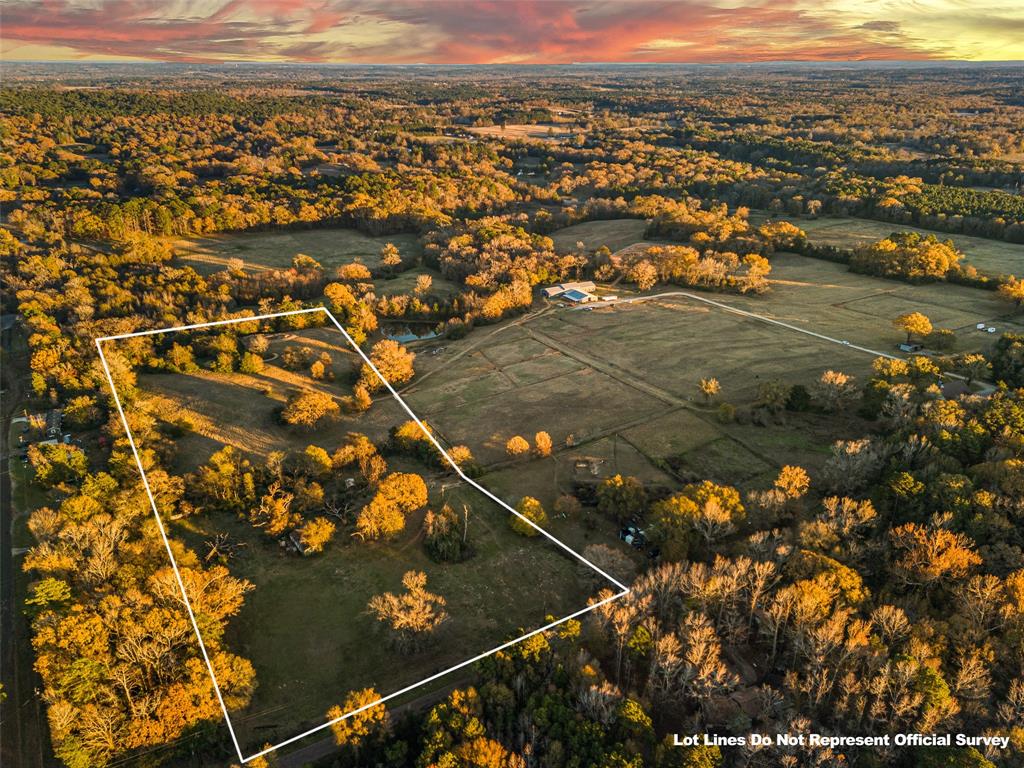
510,31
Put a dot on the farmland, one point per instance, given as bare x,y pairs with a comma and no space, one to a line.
613,233
275,250
993,257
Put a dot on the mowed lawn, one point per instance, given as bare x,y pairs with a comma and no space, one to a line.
305,626
994,257
331,247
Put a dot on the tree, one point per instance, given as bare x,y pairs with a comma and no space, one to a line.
532,510
366,728
542,443
392,360
644,274
913,324
412,615
445,534
251,363
56,464
930,556
273,514
713,511
972,366
793,481
622,498
423,285
1012,290
397,495
316,534
308,409
517,446
834,390
710,388
390,258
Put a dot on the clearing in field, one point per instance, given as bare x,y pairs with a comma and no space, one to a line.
276,249
307,625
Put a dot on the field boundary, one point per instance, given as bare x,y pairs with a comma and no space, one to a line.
462,475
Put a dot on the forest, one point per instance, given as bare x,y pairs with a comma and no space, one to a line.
879,590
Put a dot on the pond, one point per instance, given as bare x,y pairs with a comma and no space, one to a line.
405,334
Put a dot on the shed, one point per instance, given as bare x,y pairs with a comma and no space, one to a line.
577,296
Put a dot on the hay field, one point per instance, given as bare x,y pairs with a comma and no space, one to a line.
276,249
826,297
614,233
994,257
554,132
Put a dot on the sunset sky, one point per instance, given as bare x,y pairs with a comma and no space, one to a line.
510,31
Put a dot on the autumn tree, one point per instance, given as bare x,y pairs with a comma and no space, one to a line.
410,616
364,730
913,324
834,390
517,446
392,360
927,557
308,409
316,534
542,444
709,388
532,510
1012,290
397,495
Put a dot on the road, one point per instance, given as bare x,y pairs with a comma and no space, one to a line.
21,730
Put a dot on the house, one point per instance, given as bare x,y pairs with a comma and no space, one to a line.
557,291
910,347
554,291
54,420
577,296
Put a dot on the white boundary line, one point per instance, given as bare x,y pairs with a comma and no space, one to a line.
624,590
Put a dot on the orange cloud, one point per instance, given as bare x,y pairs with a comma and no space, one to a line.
455,31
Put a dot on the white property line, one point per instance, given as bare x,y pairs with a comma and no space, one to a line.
624,590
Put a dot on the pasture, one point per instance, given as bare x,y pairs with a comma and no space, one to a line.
305,626
613,233
993,257
258,251
619,385
536,131
826,297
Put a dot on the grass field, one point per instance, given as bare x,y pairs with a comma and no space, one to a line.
275,250
826,297
614,233
305,626
622,382
543,131
993,257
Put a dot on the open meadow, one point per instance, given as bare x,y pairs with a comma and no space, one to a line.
305,626
616,388
613,233
275,249
993,257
